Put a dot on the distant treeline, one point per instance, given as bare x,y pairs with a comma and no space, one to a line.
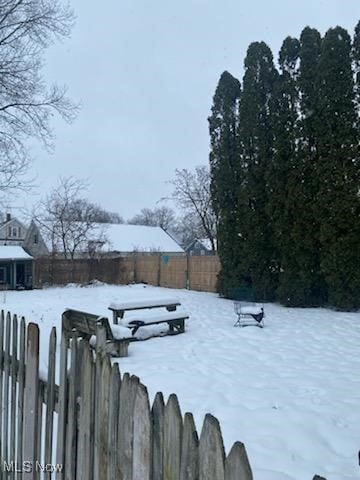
285,172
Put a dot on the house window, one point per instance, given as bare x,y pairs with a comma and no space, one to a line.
36,239
14,232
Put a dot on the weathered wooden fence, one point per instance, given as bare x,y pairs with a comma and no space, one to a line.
96,424
192,272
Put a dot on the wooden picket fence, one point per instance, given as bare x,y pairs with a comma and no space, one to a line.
96,424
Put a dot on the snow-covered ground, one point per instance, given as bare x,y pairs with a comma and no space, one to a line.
290,391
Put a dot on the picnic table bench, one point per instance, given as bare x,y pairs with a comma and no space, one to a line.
115,338
175,319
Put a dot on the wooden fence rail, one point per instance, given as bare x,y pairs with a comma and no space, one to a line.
96,424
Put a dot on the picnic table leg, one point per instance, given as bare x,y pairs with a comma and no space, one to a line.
178,327
116,315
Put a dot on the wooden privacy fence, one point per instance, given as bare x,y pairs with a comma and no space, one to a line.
192,272
97,424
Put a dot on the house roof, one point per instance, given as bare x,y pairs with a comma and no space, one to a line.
129,238
205,243
10,252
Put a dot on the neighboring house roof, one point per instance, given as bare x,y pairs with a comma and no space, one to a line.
200,243
10,252
206,242
130,238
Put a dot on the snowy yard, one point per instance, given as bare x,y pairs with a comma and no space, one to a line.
290,391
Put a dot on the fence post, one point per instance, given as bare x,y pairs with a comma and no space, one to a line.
30,432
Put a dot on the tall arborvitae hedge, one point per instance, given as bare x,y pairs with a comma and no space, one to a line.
301,279
258,262
225,175
286,173
337,170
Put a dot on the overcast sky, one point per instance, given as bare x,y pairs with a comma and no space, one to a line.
145,72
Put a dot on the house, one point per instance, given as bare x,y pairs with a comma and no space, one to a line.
125,239
15,233
200,246
16,268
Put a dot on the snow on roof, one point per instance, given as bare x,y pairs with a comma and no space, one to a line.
10,252
206,243
129,238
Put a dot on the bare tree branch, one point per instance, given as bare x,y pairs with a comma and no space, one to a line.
27,28
192,194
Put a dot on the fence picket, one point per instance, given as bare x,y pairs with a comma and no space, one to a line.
13,374
211,451
71,430
157,411
128,391
62,405
2,322
50,402
115,385
5,431
189,469
20,403
39,416
100,353
85,453
173,426
103,415
237,466
142,436
31,395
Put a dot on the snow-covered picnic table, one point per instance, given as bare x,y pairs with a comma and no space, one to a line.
175,319
119,308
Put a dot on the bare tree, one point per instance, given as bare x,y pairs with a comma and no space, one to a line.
192,194
163,217
27,28
68,221
100,214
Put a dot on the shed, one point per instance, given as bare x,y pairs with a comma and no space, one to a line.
16,268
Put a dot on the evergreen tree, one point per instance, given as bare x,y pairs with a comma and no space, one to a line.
338,170
301,282
256,143
284,177
224,164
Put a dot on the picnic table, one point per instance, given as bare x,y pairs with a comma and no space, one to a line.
175,319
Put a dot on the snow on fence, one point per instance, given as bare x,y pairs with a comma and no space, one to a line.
97,424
